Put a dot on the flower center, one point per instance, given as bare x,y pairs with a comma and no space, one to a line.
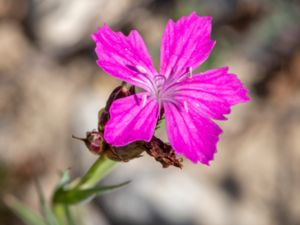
159,86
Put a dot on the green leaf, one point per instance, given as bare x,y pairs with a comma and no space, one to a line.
70,197
69,216
64,179
28,216
45,209
58,210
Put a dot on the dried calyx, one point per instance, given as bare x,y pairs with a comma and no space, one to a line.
163,153
156,148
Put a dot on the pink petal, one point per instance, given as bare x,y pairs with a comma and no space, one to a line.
126,58
131,118
213,92
190,133
185,44
200,99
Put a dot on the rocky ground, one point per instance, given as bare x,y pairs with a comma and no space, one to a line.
51,88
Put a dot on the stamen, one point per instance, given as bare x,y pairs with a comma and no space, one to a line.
142,79
186,108
188,73
159,80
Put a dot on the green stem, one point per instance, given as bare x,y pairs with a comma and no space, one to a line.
69,216
101,167
59,212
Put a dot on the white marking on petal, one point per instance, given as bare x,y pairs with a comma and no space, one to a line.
186,108
141,69
137,80
190,74
144,100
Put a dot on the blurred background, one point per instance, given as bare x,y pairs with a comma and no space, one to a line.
51,88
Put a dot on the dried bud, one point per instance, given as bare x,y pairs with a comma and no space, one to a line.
156,148
163,153
103,117
94,142
119,92
126,153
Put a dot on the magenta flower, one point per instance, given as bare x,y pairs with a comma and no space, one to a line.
189,101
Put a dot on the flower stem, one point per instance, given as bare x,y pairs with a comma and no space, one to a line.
59,212
69,216
101,167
